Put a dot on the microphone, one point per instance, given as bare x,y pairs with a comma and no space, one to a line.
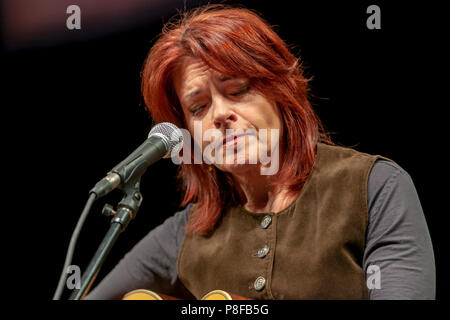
162,139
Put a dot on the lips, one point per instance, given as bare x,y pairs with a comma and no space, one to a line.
232,140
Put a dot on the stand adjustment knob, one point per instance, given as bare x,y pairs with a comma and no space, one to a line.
108,210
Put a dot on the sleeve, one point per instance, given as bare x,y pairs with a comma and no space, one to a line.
398,259
151,264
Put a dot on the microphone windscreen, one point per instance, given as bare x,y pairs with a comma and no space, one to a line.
170,133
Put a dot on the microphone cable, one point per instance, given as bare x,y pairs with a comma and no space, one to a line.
73,241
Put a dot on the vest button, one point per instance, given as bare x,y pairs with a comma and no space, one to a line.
259,284
263,251
266,221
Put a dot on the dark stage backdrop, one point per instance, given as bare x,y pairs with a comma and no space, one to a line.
74,110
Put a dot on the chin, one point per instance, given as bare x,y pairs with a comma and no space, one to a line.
237,169
237,164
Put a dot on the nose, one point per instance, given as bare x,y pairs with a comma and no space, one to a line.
223,114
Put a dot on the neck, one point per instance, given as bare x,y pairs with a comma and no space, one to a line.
259,196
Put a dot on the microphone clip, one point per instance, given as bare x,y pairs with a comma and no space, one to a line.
129,205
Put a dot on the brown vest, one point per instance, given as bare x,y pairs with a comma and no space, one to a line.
313,249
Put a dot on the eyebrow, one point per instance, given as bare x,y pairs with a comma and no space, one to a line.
196,92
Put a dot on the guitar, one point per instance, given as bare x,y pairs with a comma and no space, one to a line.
143,294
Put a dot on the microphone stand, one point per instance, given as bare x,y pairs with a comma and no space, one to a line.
126,211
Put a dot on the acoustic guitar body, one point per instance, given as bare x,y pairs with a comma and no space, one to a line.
143,294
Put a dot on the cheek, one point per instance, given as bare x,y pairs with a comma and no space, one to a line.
278,125
276,117
273,122
197,130
268,116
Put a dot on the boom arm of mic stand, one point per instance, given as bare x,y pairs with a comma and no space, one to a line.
127,209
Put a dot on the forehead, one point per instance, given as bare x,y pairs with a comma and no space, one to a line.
191,73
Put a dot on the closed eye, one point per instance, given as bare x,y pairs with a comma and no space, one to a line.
242,91
195,111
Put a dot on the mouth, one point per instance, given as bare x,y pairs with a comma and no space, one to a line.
232,140
229,140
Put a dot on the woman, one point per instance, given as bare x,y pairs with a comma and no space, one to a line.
325,222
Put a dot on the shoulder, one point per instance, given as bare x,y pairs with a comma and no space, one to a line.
176,222
388,177
164,239
392,198
383,170
183,214
343,165
340,152
333,157
172,229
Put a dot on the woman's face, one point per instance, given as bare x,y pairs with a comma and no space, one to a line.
223,106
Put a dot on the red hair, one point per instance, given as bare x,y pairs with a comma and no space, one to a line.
236,42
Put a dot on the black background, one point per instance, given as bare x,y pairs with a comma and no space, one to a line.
74,110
